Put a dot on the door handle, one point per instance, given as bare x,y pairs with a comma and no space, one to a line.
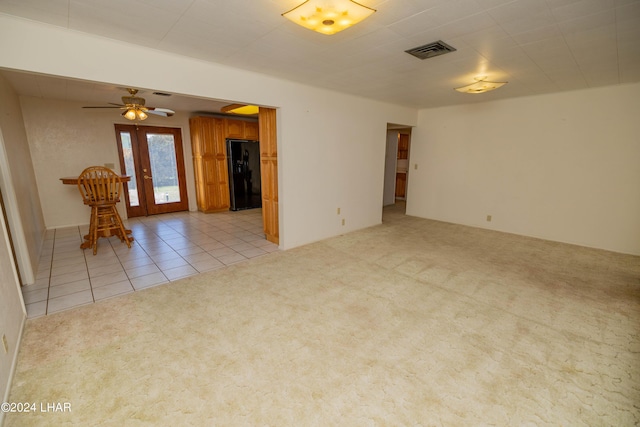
147,177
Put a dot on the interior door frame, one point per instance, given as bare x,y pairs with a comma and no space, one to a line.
22,257
147,205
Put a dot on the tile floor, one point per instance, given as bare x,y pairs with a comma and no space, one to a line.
166,248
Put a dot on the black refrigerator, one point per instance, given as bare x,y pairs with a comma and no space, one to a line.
244,174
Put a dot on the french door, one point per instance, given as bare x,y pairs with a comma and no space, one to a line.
153,158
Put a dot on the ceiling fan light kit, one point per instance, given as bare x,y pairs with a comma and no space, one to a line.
480,86
328,16
135,113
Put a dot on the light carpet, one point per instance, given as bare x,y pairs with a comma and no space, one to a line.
412,322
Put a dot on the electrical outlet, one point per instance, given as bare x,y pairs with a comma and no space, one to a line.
109,165
415,166
338,211
5,344
488,218
342,221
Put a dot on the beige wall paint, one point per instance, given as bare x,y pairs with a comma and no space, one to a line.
65,138
562,167
12,312
331,146
17,180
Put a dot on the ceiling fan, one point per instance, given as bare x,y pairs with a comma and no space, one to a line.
134,107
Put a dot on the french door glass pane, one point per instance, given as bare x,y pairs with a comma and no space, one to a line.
125,138
162,156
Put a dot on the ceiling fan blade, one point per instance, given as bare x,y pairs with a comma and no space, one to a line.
165,112
134,106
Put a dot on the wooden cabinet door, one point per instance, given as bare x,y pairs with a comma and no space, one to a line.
241,129
269,173
234,128
251,131
403,146
401,185
210,163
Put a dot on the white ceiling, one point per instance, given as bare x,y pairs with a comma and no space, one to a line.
538,46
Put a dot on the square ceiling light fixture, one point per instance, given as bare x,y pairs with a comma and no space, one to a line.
328,16
247,110
480,86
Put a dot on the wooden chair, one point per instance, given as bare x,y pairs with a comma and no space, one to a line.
100,188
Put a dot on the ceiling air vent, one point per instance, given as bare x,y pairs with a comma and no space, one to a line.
430,50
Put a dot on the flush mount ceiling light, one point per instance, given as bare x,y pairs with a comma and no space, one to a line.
328,16
247,110
480,86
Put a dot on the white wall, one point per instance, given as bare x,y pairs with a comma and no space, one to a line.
331,146
64,139
563,167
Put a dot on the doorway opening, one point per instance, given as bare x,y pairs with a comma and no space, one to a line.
152,156
215,165
396,174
